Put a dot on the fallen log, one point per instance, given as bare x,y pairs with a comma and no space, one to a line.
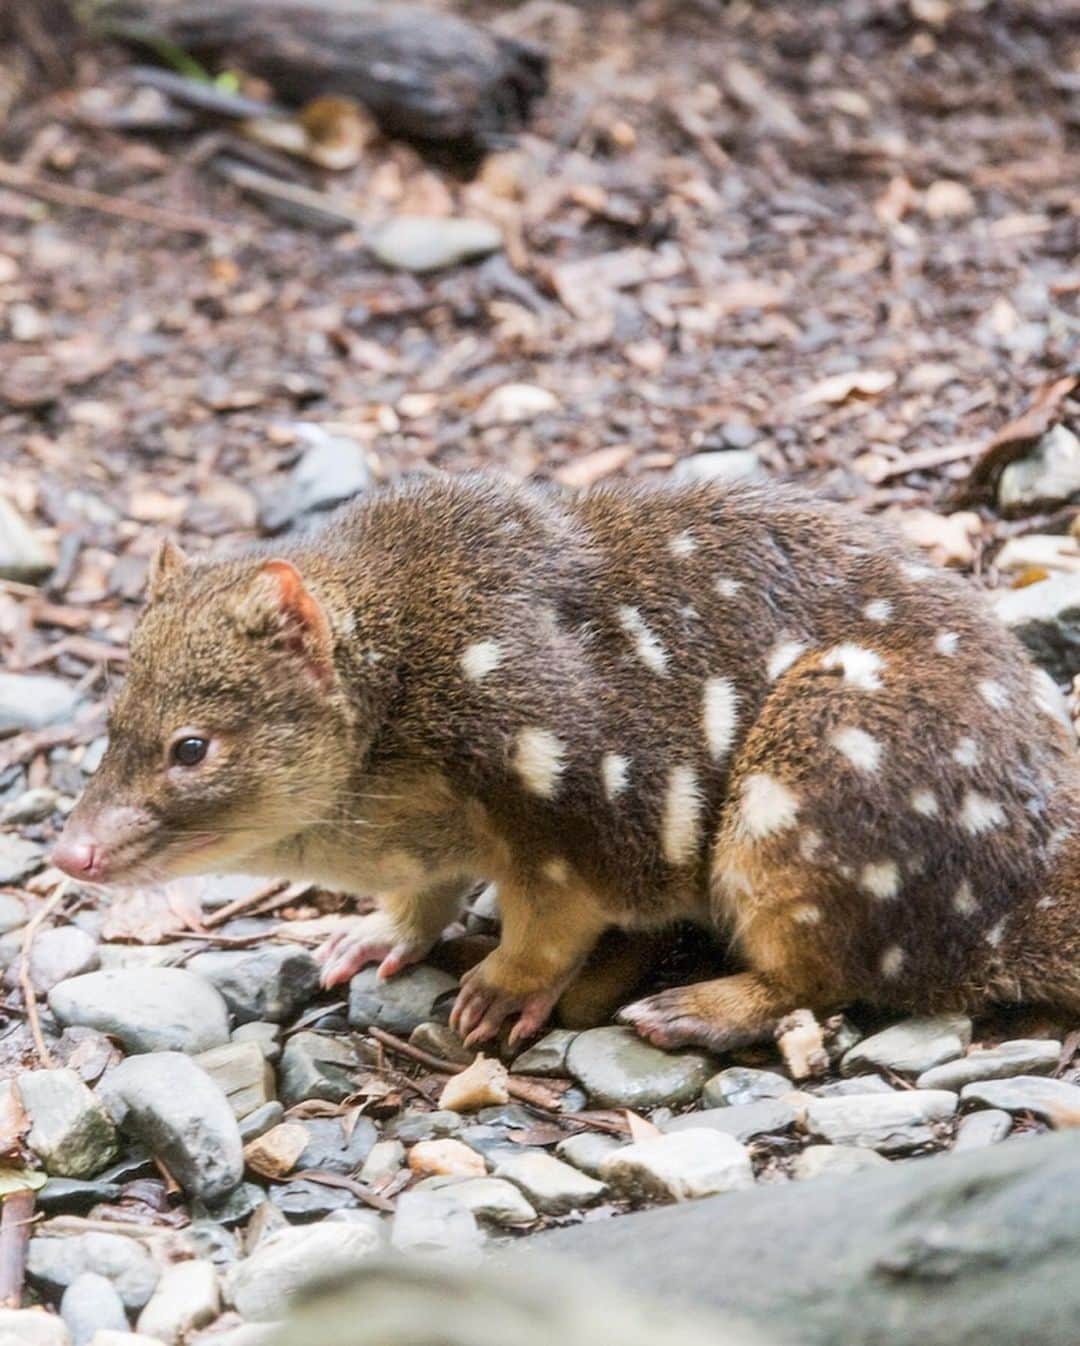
423,75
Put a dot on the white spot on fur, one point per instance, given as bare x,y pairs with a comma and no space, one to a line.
892,960
979,814
647,644
913,571
925,802
782,656
880,879
681,819
735,882
945,642
993,694
615,772
557,870
727,588
996,933
767,805
539,761
861,666
880,610
810,842
966,752
860,748
1045,903
964,900
1057,838
806,913
480,659
683,545
721,705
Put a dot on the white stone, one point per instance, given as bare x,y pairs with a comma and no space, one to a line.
1023,1056
187,1297
262,1285
890,1123
680,1165
33,1327
819,1161
552,1186
911,1047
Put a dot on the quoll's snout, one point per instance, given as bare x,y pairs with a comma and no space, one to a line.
101,845
78,854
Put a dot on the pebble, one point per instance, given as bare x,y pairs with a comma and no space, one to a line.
19,858
740,1084
304,1201
12,913
242,1073
588,1150
1046,617
818,1161
260,1121
433,1224
107,1337
315,1066
33,1327
441,1040
177,1111
551,1185
515,403
1048,475
186,1298
261,1286
57,1262
492,1199
445,1158
268,1036
335,1147
723,465
163,1009
744,1121
34,701
411,1126
1023,1056
275,1154
270,984
480,1085
547,1057
422,243
70,1130
59,953
398,1005
23,556
247,1334
32,806
891,1123
680,1166
618,1070
385,1161
911,1047
69,1196
980,1129
947,199
332,469
91,1304
1055,1101
858,1084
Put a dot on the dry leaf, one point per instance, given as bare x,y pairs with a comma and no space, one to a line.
150,916
802,1045
477,1086
593,467
838,388
949,538
1018,435
275,1153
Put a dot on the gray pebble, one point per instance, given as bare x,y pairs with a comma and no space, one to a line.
91,1304
400,1004
272,983
617,1069
148,1010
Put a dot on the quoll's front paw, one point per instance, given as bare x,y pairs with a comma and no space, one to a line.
364,940
494,990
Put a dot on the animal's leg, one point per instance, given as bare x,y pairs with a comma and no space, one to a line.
400,932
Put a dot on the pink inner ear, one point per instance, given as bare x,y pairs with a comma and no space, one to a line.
306,623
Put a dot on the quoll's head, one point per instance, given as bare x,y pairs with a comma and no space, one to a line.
230,735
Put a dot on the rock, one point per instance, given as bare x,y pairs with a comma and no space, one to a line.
739,1084
410,1126
979,1129
1055,1101
272,983
106,1337
247,1334
332,469
618,1070
268,1036
91,1304
1023,1056
32,806
492,1199
421,243
891,1123
441,1041
947,199
260,1121
433,1224
262,1285
723,465
181,1115
13,913
744,1121
385,1161
911,1047
56,1263
334,1147
480,1085
400,1004
858,1084
161,1009
59,953
819,1161
70,1131
242,1073
547,1057
449,1158
23,556
210,1232
1046,617
315,1066
186,1298
33,1327
588,1150
1033,551
275,1154
552,1186
34,701
19,858
513,403
1049,475
304,1201
69,1196
679,1166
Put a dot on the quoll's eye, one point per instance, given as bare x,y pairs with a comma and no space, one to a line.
189,751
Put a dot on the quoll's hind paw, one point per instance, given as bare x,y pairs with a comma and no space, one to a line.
667,1020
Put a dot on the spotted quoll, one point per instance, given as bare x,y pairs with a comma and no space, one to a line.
740,707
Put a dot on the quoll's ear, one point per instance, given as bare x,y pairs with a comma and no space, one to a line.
279,602
166,564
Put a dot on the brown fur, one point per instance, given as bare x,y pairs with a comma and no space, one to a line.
352,745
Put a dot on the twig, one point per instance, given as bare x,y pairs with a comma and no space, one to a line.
81,198
29,994
243,904
358,1189
15,1222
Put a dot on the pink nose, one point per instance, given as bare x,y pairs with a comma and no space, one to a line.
78,856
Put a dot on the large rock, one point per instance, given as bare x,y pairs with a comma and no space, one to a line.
70,1131
148,1009
92,1304
1024,1056
180,1114
33,701
1046,617
911,1047
57,1262
890,1123
271,983
618,1070
263,1284
1056,1101
679,1166
400,1004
